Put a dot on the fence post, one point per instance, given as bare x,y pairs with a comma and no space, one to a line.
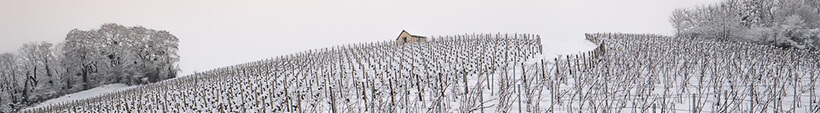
694,105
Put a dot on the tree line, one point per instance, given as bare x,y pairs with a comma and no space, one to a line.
781,23
86,59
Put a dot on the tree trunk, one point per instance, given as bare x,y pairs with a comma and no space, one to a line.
85,77
67,84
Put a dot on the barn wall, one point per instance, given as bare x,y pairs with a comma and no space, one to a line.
409,38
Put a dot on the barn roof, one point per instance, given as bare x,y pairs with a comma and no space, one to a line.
418,36
411,35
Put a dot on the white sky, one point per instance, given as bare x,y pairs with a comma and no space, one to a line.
217,33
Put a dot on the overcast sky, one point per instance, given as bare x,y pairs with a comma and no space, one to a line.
217,33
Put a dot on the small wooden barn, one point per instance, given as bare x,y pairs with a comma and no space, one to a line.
405,37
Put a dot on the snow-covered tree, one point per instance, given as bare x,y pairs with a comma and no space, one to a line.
10,83
783,23
82,56
41,70
119,54
86,59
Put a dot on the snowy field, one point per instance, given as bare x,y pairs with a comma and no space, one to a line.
654,73
94,92
493,73
368,77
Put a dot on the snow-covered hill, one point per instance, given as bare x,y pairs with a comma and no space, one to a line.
90,93
493,73
373,77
